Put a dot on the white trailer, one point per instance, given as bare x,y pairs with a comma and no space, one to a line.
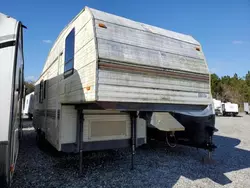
217,106
11,91
103,70
246,107
28,105
229,108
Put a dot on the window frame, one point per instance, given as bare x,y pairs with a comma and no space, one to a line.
44,89
69,43
41,92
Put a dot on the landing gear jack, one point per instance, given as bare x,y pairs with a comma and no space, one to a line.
210,146
208,159
133,116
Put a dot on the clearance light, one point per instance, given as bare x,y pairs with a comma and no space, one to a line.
198,49
102,25
12,168
87,88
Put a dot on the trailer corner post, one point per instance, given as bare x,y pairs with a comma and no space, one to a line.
133,117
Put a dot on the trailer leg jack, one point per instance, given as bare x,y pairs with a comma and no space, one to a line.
80,120
208,159
210,146
133,116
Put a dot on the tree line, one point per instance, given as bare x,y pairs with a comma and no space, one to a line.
29,86
233,89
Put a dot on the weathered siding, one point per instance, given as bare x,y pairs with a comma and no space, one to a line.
142,47
68,124
128,87
149,57
141,26
67,90
96,125
142,63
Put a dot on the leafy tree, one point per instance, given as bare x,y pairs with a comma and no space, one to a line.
231,89
30,87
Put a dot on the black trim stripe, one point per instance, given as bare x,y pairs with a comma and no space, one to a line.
7,44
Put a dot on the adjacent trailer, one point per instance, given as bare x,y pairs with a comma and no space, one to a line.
106,76
217,107
28,105
11,90
246,107
230,109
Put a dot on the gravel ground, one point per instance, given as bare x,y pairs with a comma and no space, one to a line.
158,167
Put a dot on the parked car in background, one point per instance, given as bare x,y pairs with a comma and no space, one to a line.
28,105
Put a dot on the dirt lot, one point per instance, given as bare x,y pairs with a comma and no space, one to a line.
160,167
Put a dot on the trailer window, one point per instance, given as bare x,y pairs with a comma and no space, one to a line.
44,89
41,92
69,53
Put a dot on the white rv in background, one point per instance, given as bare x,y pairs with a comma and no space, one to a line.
11,93
105,75
230,109
246,107
28,105
217,107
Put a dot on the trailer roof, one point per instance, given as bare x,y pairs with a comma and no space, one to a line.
140,26
8,27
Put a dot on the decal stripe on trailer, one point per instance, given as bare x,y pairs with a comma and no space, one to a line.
7,44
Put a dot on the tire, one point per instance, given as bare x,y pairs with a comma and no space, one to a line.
30,116
3,181
4,162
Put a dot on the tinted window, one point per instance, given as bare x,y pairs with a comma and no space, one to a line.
41,92
44,89
69,52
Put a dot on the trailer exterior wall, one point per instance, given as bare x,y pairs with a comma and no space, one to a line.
48,113
6,74
246,107
102,128
11,88
143,63
6,80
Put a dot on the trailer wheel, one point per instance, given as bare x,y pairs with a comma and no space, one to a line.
30,116
3,181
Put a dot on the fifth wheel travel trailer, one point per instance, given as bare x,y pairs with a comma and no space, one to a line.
28,105
106,77
217,106
11,87
229,108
